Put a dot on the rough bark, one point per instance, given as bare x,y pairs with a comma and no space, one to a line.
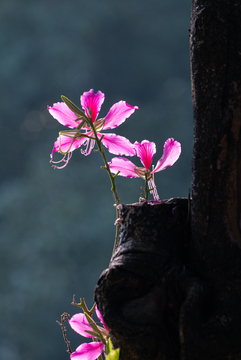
170,293
134,294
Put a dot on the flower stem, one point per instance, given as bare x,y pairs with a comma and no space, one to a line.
146,187
147,178
112,178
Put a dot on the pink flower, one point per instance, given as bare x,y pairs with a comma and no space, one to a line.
82,134
88,351
145,151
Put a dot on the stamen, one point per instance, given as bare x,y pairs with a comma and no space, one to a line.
69,155
89,143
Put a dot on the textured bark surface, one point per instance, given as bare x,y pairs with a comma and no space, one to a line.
216,86
138,294
170,293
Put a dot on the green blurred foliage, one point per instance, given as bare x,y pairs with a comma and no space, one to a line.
56,226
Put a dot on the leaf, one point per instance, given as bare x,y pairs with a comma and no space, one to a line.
113,355
109,346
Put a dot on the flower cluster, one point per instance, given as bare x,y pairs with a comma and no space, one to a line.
85,326
145,151
83,134
87,130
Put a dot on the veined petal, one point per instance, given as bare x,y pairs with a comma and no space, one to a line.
171,152
92,102
100,317
151,185
66,143
79,324
88,351
145,151
124,166
117,114
64,115
117,144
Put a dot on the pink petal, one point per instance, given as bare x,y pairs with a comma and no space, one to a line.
117,114
125,166
117,144
171,152
100,317
89,351
145,151
64,115
92,102
151,185
79,324
65,144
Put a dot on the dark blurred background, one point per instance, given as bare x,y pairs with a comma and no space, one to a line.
56,226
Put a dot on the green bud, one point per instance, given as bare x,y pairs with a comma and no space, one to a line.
93,333
73,107
82,124
99,124
95,327
141,172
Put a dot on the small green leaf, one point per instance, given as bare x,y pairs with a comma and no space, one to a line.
109,346
113,355
73,107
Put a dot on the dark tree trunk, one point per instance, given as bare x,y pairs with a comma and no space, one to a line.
173,287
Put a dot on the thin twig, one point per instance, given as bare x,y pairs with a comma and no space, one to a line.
64,317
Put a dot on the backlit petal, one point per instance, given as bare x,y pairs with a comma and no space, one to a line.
171,152
117,144
92,102
145,151
64,115
117,114
89,351
125,166
66,144
100,317
79,323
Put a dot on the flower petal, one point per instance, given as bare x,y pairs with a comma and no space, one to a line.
100,317
64,115
145,151
125,166
66,143
89,351
79,324
171,152
152,185
117,114
92,102
117,144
